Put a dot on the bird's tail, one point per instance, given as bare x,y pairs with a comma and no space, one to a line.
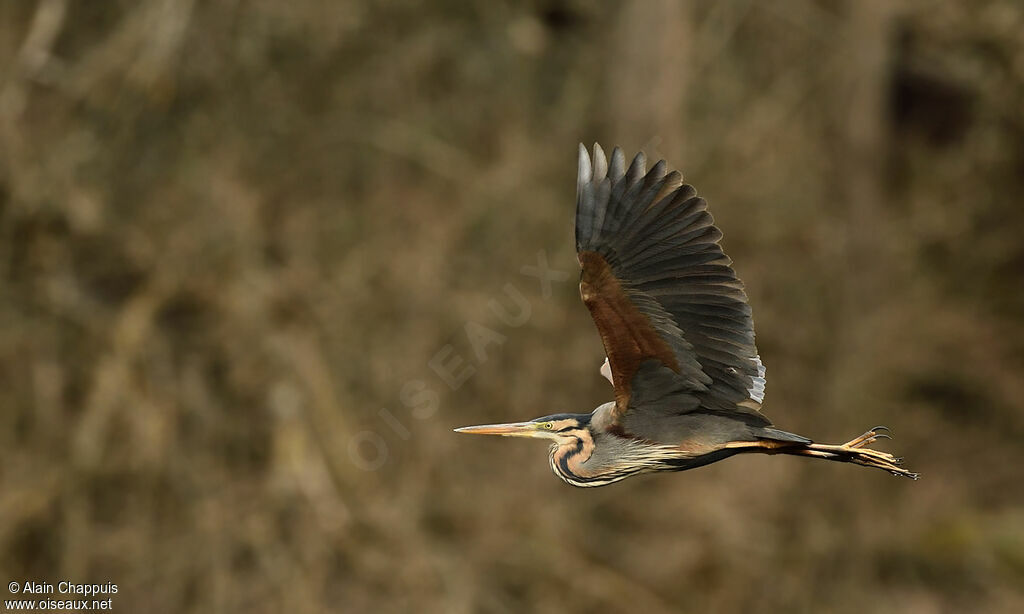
854,451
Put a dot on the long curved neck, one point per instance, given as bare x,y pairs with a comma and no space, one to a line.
567,459
577,462
590,457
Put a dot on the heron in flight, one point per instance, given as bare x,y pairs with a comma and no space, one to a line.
678,334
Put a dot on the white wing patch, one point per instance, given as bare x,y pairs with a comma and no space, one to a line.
606,371
756,391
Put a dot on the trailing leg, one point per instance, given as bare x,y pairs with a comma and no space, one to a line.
854,451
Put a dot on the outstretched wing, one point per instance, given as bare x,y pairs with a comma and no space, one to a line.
670,310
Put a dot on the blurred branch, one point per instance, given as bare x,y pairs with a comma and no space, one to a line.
141,48
111,374
412,143
650,69
34,58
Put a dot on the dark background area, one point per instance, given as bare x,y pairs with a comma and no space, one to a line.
235,236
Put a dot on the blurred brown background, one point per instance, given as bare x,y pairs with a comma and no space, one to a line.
235,236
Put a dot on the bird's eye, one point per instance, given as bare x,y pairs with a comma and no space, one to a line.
547,426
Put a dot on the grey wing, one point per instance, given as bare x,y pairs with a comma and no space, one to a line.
650,250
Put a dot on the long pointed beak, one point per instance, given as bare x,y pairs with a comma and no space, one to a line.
514,429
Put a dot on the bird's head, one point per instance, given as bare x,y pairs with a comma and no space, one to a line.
558,428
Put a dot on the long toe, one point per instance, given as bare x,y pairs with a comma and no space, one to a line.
862,440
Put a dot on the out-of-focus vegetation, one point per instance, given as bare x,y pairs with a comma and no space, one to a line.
235,235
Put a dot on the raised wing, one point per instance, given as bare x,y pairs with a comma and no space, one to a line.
670,310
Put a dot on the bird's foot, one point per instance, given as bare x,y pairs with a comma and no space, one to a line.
854,451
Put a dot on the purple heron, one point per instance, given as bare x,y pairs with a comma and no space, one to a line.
679,338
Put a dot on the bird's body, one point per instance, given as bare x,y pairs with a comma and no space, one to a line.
674,320
591,456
